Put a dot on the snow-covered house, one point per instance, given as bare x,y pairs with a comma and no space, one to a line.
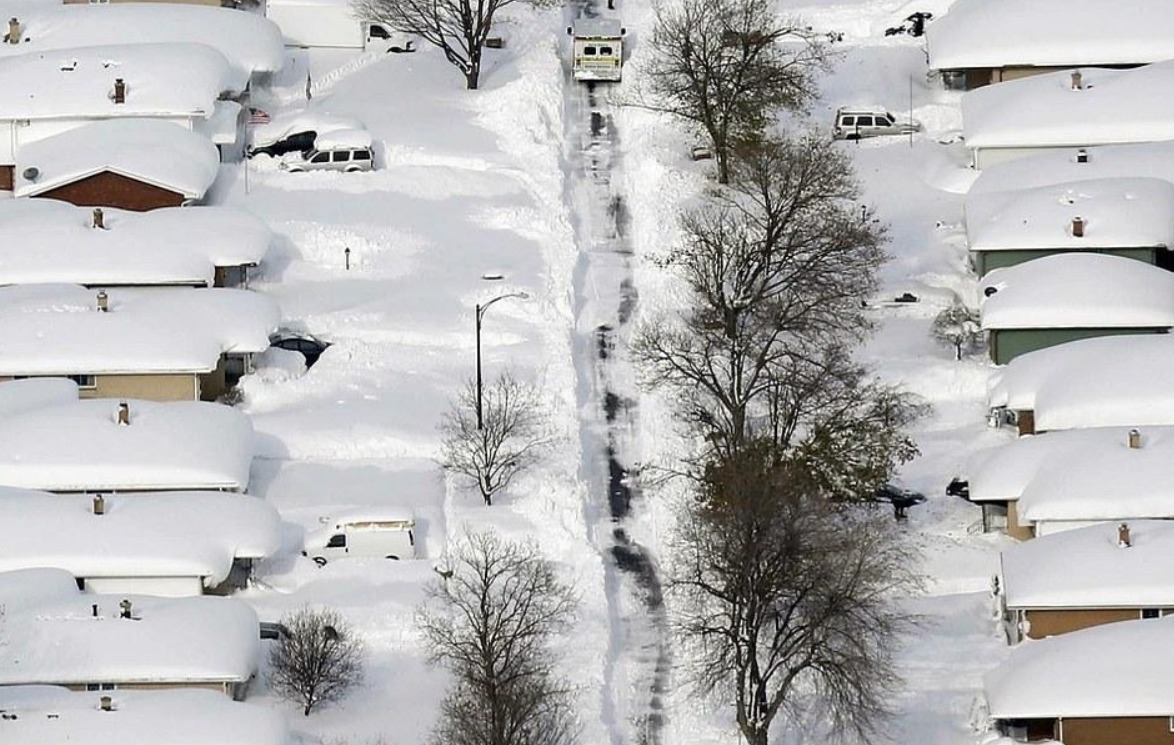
1068,110
51,715
1069,296
106,445
169,544
94,642
979,42
132,164
1057,481
1106,685
1065,165
47,93
161,346
1132,217
48,241
1099,574
1108,381
251,43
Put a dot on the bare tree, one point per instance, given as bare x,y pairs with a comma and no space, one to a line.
489,619
787,602
728,66
777,264
458,28
957,326
317,659
510,438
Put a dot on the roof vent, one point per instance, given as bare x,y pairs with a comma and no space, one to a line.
1078,227
99,504
1077,81
126,609
1081,156
103,301
14,31
106,703
99,222
1123,535
119,95
123,413
31,173
1134,439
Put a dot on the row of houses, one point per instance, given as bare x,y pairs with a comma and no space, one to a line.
125,316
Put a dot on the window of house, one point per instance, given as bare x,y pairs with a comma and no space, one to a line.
85,381
100,687
338,540
1151,613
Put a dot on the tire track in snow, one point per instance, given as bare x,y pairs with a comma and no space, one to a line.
638,665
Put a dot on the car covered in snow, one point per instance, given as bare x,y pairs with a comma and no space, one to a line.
347,150
857,122
296,132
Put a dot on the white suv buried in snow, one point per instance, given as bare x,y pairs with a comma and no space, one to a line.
347,150
855,122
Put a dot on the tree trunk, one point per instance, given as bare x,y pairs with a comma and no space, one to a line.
723,164
473,76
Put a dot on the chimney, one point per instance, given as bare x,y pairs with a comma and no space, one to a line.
1077,81
103,301
125,605
99,222
106,703
14,30
119,90
1134,439
94,610
99,504
1081,156
123,412
1078,227
1123,535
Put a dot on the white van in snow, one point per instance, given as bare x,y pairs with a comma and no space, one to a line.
363,534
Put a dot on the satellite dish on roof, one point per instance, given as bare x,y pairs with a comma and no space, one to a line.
30,174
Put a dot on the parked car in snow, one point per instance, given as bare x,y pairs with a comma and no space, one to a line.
901,499
371,534
306,344
856,122
347,150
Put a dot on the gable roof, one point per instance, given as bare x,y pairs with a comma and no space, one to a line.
155,152
200,639
58,330
1101,382
1086,568
250,42
174,445
161,80
1050,33
1138,160
1121,669
1116,213
1112,107
172,245
50,715
168,534
1078,290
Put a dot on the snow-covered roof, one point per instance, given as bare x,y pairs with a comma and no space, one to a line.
160,80
251,43
58,330
17,396
1081,475
1141,160
80,446
28,587
1115,670
223,126
153,151
173,245
1100,382
1078,290
1086,568
51,715
1115,213
170,534
1051,33
194,639
1112,107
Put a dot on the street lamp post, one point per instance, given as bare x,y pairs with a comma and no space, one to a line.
481,308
